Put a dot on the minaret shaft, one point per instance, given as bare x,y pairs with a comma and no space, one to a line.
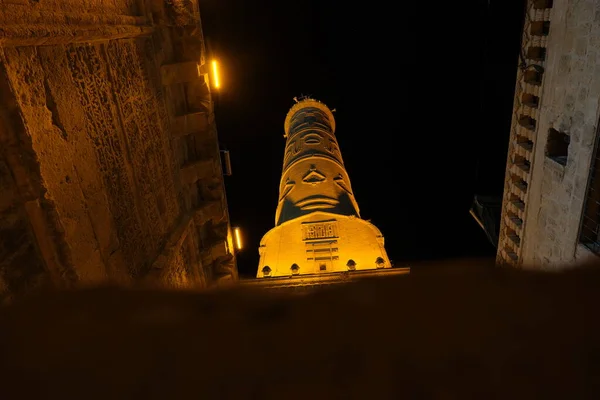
313,176
318,228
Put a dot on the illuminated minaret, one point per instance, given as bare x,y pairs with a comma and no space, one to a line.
318,228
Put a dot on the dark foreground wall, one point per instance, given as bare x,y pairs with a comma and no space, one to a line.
455,332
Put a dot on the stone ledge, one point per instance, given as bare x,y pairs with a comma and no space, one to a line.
197,170
322,279
182,72
190,123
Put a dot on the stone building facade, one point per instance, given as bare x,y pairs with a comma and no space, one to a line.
318,235
550,214
110,169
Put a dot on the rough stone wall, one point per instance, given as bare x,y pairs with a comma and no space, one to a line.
21,266
567,102
28,257
118,150
569,105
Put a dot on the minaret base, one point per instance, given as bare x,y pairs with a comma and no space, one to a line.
321,243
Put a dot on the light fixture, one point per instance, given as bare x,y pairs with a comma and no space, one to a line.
215,69
238,238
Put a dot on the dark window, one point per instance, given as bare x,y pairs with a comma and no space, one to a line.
527,122
540,28
322,267
541,4
536,53
522,163
557,146
295,269
519,182
266,270
380,262
534,76
530,100
513,236
351,264
524,142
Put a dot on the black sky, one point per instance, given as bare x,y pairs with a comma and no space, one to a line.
423,96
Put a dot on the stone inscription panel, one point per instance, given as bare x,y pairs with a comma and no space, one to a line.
126,124
95,92
319,230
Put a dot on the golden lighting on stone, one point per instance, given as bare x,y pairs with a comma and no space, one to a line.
318,228
215,69
238,238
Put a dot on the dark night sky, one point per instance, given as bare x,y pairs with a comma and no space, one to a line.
423,96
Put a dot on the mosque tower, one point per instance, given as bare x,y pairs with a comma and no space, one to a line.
318,229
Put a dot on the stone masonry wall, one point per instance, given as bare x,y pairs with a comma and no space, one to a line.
523,140
567,103
29,258
570,105
95,128
120,150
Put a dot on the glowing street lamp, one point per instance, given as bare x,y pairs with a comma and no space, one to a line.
215,69
238,238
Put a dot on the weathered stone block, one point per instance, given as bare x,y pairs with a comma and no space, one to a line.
180,72
580,185
190,123
209,211
581,46
219,249
564,64
194,171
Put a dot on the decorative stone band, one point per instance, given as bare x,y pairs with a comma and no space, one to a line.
310,131
308,103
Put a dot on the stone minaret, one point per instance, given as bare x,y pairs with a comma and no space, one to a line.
318,228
